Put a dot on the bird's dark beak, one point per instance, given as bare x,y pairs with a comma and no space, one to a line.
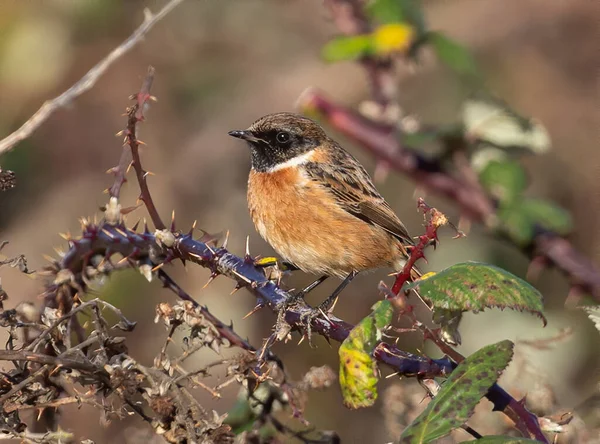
244,135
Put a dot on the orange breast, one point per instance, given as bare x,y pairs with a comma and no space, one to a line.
303,223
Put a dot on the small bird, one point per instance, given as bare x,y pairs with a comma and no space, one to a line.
316,205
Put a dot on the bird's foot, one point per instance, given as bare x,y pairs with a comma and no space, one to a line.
322,311
293,301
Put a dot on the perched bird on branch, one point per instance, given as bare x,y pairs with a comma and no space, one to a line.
316,205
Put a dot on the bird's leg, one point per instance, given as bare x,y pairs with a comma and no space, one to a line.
324,307
309,288
295,298
326,304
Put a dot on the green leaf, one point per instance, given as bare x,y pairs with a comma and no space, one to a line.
548,215
516,224
519,219
244,413
504,180
456,56
459,395
386,11
502,440
473,286
418,139
395,11
358,371
347,48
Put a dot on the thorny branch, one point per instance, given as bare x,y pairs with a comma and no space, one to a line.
88,80
119,239
135,115
524,420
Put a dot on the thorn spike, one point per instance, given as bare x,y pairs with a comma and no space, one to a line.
210,279
254,310
49,258
158,267
173,221
226,239
191,232
247,256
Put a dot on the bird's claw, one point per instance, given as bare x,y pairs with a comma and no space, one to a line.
309,316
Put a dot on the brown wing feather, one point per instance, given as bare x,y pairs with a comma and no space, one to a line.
348,181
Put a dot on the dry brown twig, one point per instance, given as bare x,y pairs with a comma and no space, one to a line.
88,80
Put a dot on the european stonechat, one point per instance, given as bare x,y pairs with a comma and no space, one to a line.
316,205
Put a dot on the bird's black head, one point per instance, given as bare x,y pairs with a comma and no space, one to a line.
278,138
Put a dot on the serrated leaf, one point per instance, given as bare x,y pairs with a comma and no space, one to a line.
459,395
358,371
502,440
496,124
474,286
504,180
548,215
347,48
453,54
593,312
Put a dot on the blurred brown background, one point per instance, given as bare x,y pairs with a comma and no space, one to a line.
220,65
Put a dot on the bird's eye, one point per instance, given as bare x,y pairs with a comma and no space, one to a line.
283,137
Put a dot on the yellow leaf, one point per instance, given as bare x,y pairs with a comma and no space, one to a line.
358,378
358,370
427,275
393,37
266,262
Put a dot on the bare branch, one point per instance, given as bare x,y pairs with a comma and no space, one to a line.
88,80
